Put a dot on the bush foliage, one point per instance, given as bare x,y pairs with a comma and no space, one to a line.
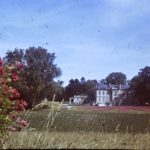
10,102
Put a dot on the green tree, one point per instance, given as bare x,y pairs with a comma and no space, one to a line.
58,90
82,86
76,87
91,90
139,91
39,73
73,88
140,85
13,56
116,78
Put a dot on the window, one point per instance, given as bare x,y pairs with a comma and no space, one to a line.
103,92
115,93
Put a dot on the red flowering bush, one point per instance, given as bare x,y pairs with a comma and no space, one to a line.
10,102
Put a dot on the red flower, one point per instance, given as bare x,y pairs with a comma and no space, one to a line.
3,81
20,66
23,103
21,107
13,93
13,116
11,97
1,62
21,122
16,93
15,78
1,70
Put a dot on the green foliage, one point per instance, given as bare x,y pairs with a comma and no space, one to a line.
140,86
91,89
13,56
139,91
10,101
116,78
72,88
76,87
39,73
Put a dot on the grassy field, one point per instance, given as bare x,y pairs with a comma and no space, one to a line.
78,140
84,127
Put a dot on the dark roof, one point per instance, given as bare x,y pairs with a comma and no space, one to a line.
103,86
111,86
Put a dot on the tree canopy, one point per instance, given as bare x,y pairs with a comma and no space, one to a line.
116,78
39,73
81,87
140,86
37,80
139,91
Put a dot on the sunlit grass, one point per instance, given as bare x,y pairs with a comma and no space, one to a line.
94,140
59,127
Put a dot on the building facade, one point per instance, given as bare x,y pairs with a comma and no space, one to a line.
102,96
77,99
105,94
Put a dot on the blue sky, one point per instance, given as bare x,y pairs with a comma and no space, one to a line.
90,38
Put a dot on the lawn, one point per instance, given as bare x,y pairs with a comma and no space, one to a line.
85,127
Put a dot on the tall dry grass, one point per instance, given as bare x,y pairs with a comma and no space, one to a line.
78,140
50,138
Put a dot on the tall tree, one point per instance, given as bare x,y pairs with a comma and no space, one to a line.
58,90
82,87
40,71
91,90
116,78
73,88
139,91
16,55
140,86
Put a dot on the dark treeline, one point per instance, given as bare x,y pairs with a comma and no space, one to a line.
81,87
37,80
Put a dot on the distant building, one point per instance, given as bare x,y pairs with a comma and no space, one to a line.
105,94
77,99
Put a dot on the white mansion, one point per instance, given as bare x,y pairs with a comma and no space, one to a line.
105,94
